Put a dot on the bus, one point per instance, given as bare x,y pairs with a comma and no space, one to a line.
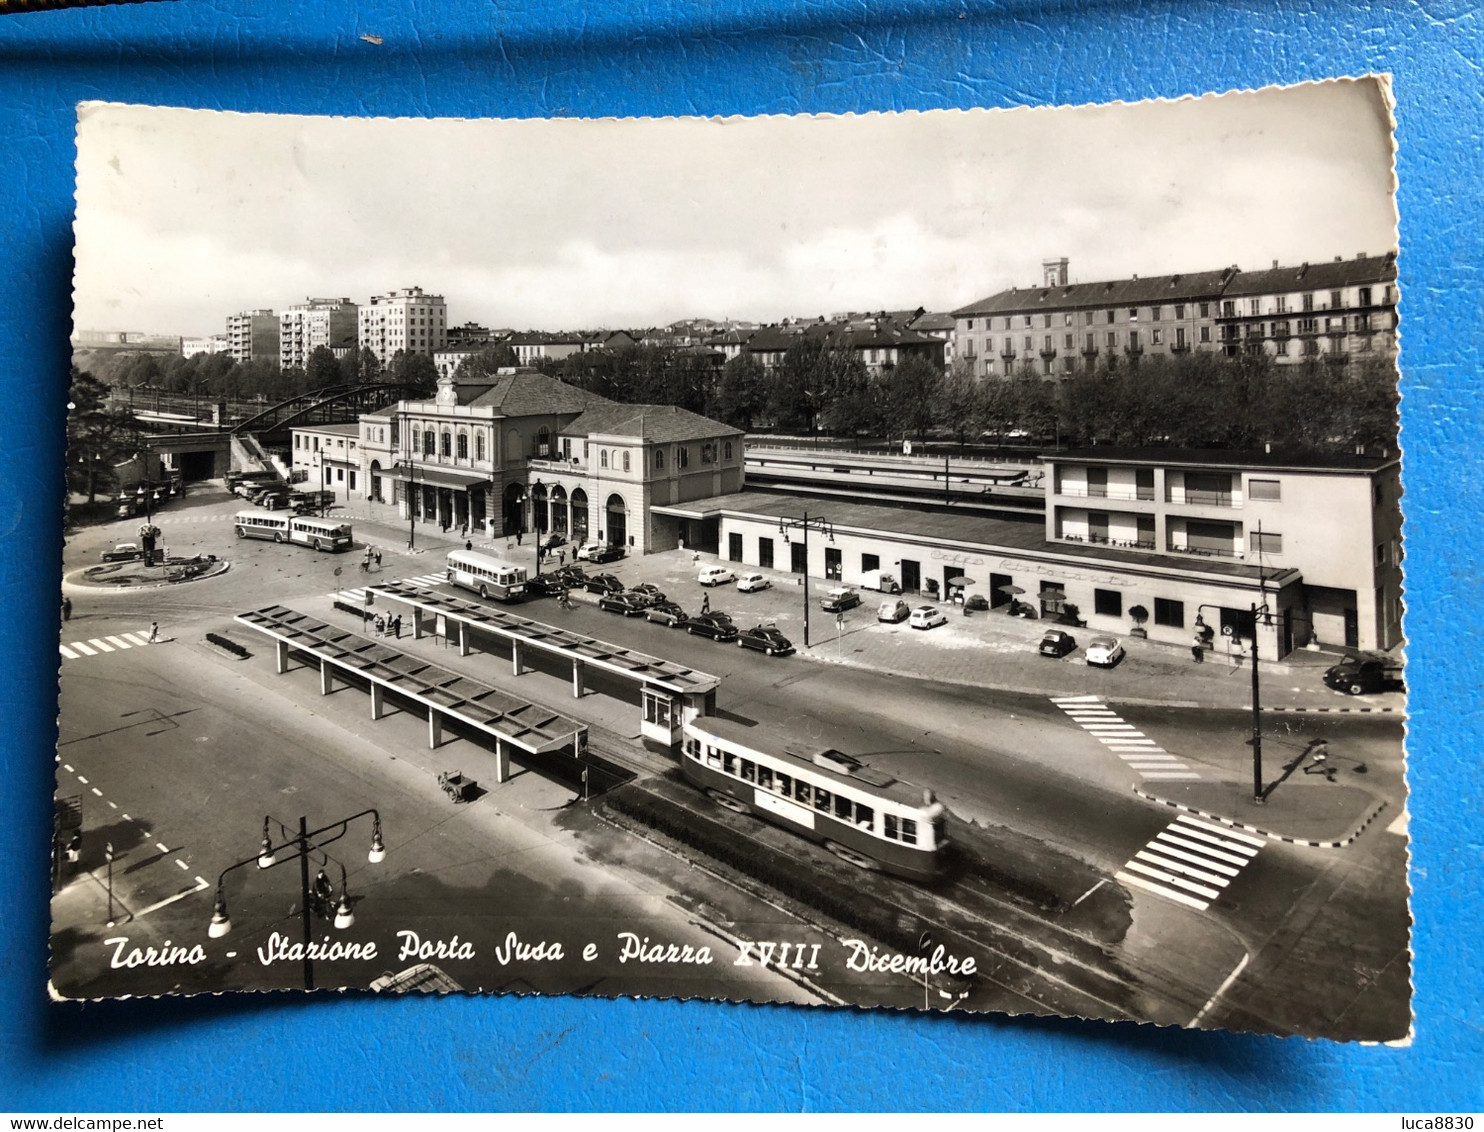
488,577
322,534
864,816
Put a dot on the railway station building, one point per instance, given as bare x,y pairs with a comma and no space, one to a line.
1130,539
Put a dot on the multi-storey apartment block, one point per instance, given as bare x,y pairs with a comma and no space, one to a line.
1331,310
407,320
252,334
306,326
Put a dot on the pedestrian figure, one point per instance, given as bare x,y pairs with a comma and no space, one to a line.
378,558
517,538
469,544
463,529
66,609
561,558
74,847
1198,650
380,625
397,626
154,631
706,603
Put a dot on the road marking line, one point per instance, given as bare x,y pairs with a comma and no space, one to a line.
1145,756
101,646
98,792
1221,830
1173,775
138,638
68,653
1170,878
1201,853
1172,858
201,881
1230,853
1116,741
113,805
81,779
68,768
82,648
1399,825
183,865
200,884
1089,892
1076,699
1221,990
117,642
1183,869
1139,882
162,847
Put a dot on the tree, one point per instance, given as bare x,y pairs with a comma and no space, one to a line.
958,403
909,394
323,369
98,437
486,363
740,396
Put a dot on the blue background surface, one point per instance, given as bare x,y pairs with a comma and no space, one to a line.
631,57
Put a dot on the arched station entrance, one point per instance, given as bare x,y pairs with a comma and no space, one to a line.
579,515
617,528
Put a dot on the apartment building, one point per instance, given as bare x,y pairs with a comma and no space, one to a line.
306,326
252,335
408,320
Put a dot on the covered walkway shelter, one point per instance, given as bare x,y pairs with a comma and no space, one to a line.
668,693
451,699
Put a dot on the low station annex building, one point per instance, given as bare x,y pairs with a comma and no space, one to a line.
1130,538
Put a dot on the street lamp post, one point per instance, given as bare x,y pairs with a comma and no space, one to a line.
304,842
806,524
536,521
1260,616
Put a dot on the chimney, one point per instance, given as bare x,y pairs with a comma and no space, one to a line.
1136,275
1275,265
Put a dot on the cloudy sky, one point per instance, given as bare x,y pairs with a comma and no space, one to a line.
186,216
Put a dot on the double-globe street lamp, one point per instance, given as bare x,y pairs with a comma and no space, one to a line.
303,843
1258,614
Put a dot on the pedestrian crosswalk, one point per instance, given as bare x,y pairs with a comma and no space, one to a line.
76,650
358,594
1191,861
1125,740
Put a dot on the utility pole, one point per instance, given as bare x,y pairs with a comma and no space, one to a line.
806,524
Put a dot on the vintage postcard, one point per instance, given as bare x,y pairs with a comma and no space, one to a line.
942,561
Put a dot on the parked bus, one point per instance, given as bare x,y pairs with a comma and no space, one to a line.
488,577
322,534
864,816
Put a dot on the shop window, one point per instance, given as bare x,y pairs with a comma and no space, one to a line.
1107,603
1171,613
870,562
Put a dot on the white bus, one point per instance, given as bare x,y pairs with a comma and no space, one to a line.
488,577
322,534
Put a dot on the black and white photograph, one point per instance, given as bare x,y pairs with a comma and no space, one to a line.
942,561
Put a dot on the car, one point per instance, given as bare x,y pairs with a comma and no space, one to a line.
1103,652
1056,643
752,583
667,613
572,576
927,617
839,599
766,639
626,603
893,611
715,576
650,592
123,552
1360,673
551,541
716,625
606,554
603,584
545,585
581,552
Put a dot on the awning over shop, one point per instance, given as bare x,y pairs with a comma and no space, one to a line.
438,477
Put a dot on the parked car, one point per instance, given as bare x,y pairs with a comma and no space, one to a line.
603,584
751,583
572,576
552,541
123,552
545,585
626,603
1360,673
927,617
666,613
839,599
894,611
273,501
1103,652
766,639
1057,643
651,593
606,554
715,576
717,626
584,552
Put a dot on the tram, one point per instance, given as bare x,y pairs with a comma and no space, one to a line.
862,815
486,576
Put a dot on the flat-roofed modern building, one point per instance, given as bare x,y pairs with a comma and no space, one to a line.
252,335
408,320
306,326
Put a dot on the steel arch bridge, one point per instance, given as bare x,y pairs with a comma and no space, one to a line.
334,404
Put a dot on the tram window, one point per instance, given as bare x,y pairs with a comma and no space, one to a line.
865,817
842,807
765,777
785,785
729,762
889,824
713,758
801,792
909,831
749,771
693,748
821,800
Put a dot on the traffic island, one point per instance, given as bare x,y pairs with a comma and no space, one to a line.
1321,815
136,575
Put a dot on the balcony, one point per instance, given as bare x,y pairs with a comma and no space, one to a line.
1103,540
1090,351
1179,347
1106,491
1193,498
1007,352
1206,551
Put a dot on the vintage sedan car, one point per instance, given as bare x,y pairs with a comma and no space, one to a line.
123,552
626,603
650,592
572,576
715,576
603,584
1057,643
839,599
716,625
766,639
667,613
1103,652
927,617
752,583
552,541
586,551
545,585
894,611
606,554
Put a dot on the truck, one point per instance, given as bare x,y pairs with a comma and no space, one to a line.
880,581
1362,673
